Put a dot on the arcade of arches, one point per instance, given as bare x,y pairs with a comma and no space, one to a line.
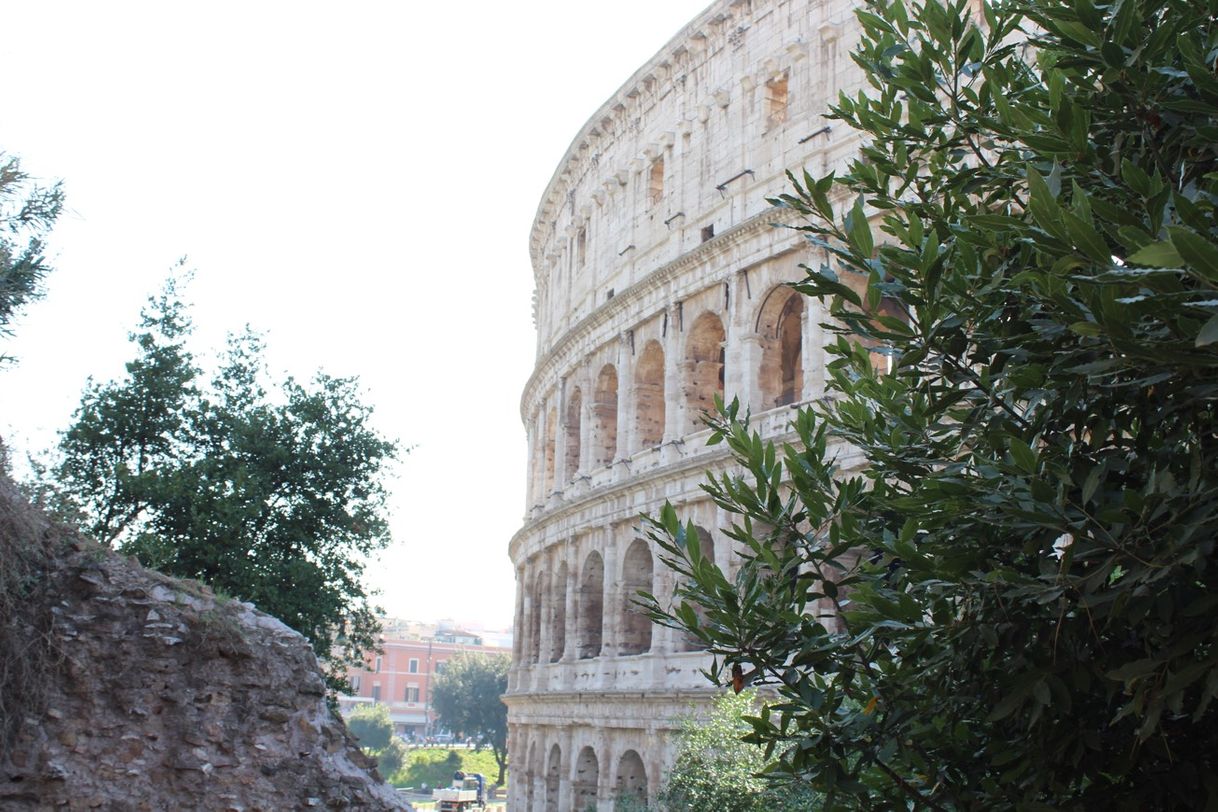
672,384
565,775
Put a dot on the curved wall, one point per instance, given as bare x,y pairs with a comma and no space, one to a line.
658,267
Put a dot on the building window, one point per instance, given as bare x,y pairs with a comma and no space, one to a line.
776,101
413,668
377,669
655,184
355,684
708,232
581,247
440,667
376,692
412,693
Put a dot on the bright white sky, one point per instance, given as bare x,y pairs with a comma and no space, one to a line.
355,179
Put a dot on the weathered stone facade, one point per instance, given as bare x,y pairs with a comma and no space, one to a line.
658,267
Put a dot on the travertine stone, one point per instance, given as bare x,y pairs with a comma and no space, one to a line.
659,269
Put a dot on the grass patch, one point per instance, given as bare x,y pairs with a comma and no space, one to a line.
434,766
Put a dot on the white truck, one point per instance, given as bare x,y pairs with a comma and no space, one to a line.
466,792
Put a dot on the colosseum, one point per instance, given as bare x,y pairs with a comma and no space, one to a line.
659,268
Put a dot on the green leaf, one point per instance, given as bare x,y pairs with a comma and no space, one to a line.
859,229
1197,251
1157,255
1209,332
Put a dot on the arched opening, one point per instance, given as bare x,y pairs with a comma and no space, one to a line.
781,327
706,545
551,427
571,461
587,773
649,397
704,368
591,607
558,614
636,575
538,597
553,772
631,777
604,416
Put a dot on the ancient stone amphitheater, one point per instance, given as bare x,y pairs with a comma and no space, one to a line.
658,267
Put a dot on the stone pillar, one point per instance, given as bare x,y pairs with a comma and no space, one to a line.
545,594
561,474
749,348
610,625
566,794
530,488
674,412
606,785
572,622
518,639
813,348
625,400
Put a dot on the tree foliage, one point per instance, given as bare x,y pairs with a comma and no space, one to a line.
273,496
371,726
983,577
715,768
467,698
27,212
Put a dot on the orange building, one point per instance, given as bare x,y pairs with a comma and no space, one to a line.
401,676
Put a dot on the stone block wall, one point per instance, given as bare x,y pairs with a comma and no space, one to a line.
659,268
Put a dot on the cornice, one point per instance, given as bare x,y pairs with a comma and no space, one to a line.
703,460
704,35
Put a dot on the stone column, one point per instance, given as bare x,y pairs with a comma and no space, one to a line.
625,400
545,590
572,622
566,793
610,626
674,411
749,349
813,348
605,785
561,474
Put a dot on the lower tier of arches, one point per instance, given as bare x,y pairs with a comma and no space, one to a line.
592,752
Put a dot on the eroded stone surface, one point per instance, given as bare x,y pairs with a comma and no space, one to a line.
159,695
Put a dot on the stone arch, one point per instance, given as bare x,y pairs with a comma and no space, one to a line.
706,545
535,618
591,607
780,324
587,775
604,415
575,404
553,778
637,569
703,368
558,614
548,446
649,396
631,777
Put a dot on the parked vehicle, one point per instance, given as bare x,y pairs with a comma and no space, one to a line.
466,792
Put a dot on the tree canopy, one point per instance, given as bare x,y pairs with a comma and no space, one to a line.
27,212
270,495
467,698
714,768
1010,602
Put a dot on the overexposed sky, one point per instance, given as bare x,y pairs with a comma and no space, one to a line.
357,180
